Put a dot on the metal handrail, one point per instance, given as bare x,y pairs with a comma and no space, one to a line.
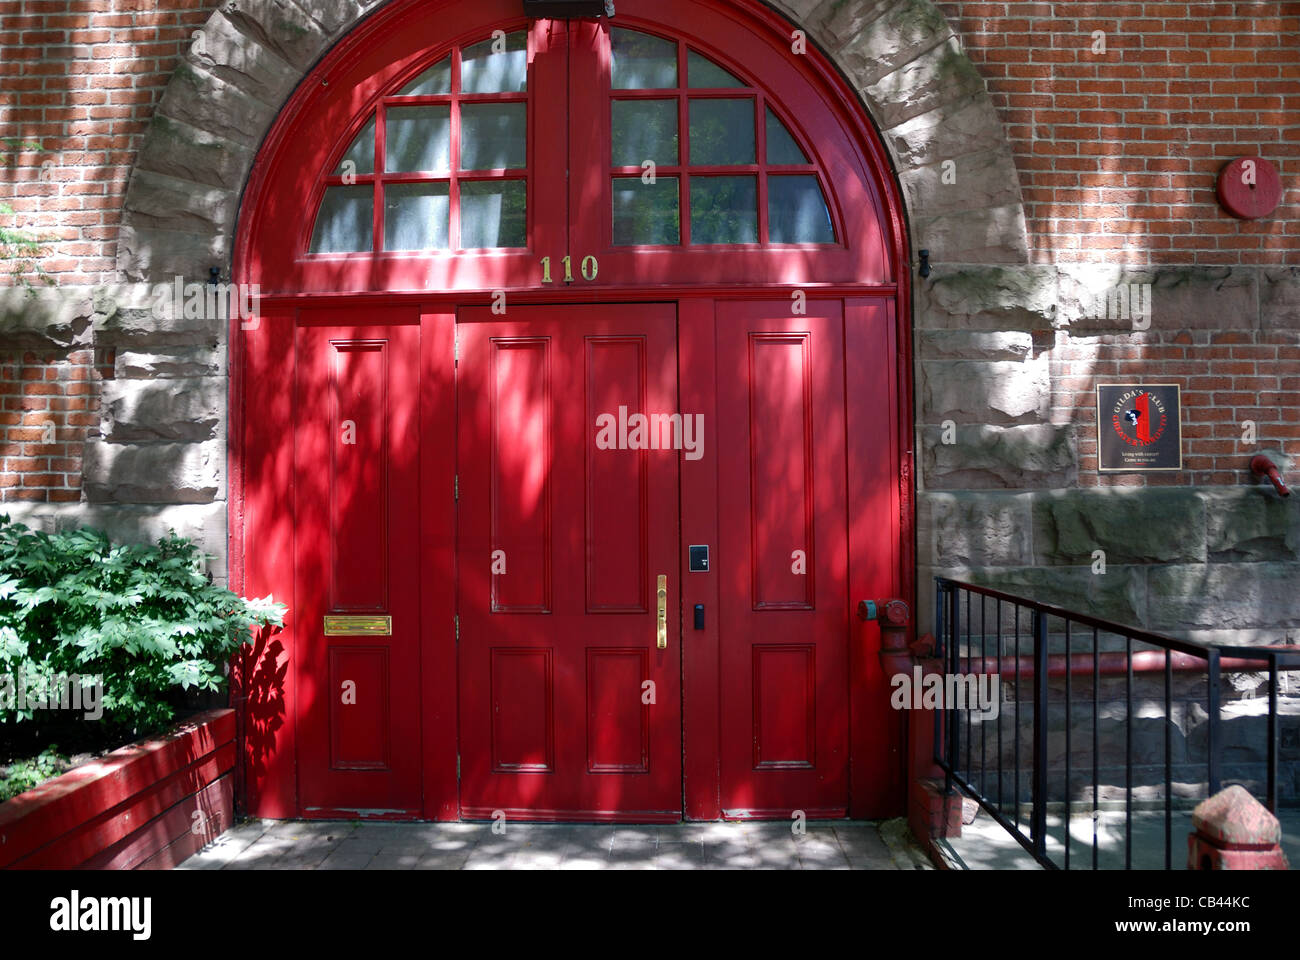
948,746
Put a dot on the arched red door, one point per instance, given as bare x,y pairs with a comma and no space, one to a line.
571,424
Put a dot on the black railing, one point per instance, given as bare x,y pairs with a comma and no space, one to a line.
1034,647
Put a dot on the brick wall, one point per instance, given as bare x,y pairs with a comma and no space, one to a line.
81,79
1118,151
47,406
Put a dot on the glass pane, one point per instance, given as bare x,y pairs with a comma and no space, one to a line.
796,211
417,216
646,213
643,62
781,147
644,130
345,222
434,82
418,139
495,66
493,136
703,73
361,153
493,213
724,210
722,132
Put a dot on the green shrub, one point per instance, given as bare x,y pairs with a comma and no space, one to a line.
21,776
143,620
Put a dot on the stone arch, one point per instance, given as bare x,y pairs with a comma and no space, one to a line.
924,94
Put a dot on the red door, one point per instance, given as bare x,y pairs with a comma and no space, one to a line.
567,520
783,560
357,564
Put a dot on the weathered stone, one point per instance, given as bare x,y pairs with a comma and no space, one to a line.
1181,298
144,327
838,21
45,316
154,473
159,256
902,32
1038,455
970,182
1279,298
973,529
974,345
953,131
1155,525
243,61
202,100
205,524
285,28
994,235
988,298
974,391
179,362
1119,596
158,202
336,16
940,75
142,411
1224,595
186,153
1252,523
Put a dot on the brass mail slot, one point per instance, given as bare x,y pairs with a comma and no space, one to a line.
339,626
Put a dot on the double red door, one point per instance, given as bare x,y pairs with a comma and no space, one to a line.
576,601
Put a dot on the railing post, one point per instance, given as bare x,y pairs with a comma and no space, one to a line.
1212,707
1038,814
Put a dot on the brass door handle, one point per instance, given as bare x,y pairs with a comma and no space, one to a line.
663,611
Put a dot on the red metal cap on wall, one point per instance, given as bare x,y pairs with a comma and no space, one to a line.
1249,188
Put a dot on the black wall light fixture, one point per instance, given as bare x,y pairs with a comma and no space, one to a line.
564,9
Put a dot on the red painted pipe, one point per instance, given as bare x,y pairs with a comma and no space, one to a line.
1262,466
1113,664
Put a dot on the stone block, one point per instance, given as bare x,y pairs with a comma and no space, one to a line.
948,133
974,181
178,362
1252,524
1231,596
159,202
974,345
243,61
1000,298
45,317
901,32
186,153
286,28
1147,525
337,16
154,473
1181,298
973,529
977,391
198,98
994,235
1017,457
182,411
1279,298
159,256
1119,596
942,74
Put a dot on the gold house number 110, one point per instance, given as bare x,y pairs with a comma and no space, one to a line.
590,269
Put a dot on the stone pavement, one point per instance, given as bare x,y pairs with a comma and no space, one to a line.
342,845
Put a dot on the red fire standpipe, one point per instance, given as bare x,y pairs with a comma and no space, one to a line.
1262,466
894,618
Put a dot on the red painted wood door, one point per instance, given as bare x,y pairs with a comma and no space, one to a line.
569,705
782,562
356,453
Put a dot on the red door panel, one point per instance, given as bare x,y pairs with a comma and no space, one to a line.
782,560
357,558
560,543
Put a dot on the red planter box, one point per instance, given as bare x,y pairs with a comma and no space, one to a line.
135,808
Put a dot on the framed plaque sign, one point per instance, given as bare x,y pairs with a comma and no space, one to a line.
1139,427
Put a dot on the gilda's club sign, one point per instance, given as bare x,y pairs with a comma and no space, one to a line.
1139,427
